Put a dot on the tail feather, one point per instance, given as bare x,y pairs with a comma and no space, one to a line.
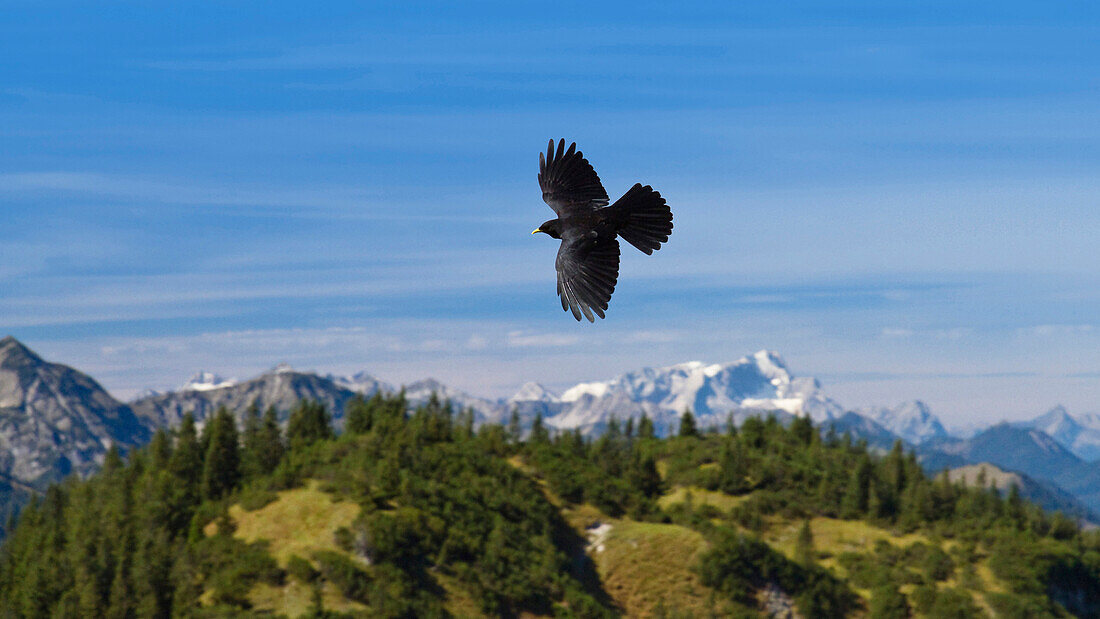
644,220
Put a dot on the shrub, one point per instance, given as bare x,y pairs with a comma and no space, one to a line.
301,569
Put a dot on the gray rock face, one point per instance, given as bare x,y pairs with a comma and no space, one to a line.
55,420
281,388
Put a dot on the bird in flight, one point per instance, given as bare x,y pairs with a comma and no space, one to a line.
588,259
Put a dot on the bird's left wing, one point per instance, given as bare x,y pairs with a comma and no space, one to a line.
568,181
587,272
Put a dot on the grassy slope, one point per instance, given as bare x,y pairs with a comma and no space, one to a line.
644,567
299,522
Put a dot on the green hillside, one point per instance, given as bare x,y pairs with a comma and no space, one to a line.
421,515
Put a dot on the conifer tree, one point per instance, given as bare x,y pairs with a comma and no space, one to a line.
614,430
515,429
539,434
160,449
895,468
309,422
645,427
687,424
271,446
802,429
221,467
644,476
359,414
857,494
1014,507
250,442
185,468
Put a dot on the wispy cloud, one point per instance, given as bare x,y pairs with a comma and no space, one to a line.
1056,330
521,339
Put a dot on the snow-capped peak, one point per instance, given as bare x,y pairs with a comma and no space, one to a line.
1078,433
532,392
205,381
576,392
362,383
770,364
912,421
759,382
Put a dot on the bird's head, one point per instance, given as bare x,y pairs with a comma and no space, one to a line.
552,227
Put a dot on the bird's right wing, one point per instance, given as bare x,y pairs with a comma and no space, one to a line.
568,181
587,273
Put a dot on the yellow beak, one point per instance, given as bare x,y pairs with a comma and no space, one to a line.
536,230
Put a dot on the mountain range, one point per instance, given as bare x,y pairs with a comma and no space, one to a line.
55,420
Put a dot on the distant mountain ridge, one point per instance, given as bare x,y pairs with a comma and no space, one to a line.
751,385
280,388
912,421
1078,433
55,420
1043,493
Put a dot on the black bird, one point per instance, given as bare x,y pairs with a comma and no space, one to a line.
588,259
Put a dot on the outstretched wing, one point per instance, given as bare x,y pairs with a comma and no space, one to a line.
587,272
568,181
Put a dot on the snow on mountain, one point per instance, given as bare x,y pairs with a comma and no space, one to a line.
361,383
531,392
912,421
1078,433
760,382
205,381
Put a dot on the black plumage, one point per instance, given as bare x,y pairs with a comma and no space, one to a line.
588,259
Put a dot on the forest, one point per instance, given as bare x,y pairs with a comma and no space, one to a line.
441,518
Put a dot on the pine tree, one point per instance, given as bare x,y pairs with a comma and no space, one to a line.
271,447
895,468
309,422
644,476
250,442
802,430
515,428
1014,506
857,495
359,414
185,466
221,468
160,449
539,434
687,424
645,427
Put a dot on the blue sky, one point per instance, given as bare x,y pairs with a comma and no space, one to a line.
901,199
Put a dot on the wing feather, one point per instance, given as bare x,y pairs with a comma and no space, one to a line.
587,273
568,181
